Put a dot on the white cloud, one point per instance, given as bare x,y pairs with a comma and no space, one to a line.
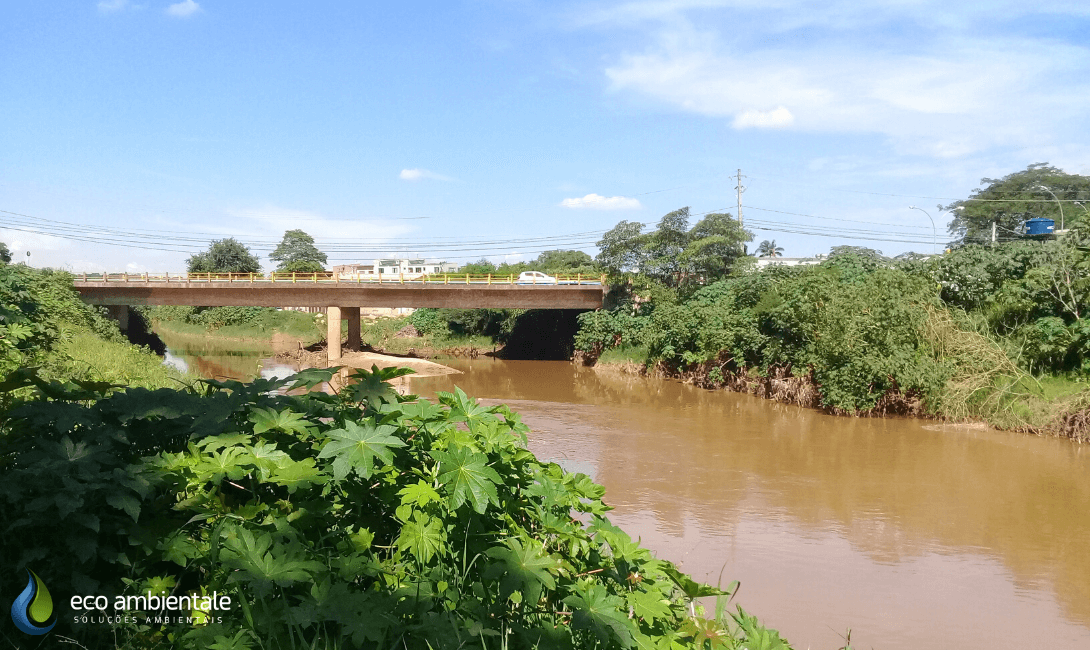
776,118
183,9
110,6
596,202
418,174
947,93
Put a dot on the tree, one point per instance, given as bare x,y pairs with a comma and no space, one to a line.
564,261
480,267
769,249
621,249
297,250
715,244
1010,201
664,246
5,254
224,256
301,266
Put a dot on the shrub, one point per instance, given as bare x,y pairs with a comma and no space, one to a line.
360,519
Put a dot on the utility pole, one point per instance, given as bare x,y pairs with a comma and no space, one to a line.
993,233
740,189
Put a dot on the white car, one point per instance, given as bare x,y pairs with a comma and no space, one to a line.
535,277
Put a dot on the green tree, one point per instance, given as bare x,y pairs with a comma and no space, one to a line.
621,248
224,256
768,248
301,266
715,243
5,254
481,266
297,251
1009,201
665,245
563,261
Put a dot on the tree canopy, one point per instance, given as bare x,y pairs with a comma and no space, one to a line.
1010,201
224,256
297,252
5,253
673,252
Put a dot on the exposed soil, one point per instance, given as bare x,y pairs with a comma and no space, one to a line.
315,357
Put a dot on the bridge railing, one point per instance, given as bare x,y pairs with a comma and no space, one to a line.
327,277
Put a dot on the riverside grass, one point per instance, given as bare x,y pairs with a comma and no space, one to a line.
84,355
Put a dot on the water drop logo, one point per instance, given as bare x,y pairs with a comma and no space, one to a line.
32,611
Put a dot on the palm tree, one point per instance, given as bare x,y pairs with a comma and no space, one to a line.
769,249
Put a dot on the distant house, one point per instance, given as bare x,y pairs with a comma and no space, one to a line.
394,268
762,262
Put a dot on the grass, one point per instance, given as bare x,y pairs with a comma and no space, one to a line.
624,354
83,355
295,324
381,335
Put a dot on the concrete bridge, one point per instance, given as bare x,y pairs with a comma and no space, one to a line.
341,296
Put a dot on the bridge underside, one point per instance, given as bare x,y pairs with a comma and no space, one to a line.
340,300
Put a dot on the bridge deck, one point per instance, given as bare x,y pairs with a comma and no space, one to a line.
324,290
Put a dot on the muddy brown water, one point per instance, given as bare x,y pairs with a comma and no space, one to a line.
910,534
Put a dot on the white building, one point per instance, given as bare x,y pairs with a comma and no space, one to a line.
762,262
394,268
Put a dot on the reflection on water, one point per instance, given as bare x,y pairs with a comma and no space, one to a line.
913,537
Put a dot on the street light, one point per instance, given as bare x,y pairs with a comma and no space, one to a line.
934,233
1057,203
1079,203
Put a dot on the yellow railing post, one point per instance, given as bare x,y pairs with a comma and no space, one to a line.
467,278
579,278
401,277
293,276
490,279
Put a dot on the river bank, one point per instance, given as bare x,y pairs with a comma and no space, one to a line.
1060,410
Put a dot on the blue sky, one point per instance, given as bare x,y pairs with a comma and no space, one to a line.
462,129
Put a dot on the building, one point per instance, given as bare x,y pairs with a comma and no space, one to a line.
394,268
762,262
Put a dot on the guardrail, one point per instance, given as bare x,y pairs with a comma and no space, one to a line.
333,278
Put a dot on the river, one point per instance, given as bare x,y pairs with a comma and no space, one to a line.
910,534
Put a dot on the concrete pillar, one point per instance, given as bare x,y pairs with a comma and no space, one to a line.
120,313
333,333
352,315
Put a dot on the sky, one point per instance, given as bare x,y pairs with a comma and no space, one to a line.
462,129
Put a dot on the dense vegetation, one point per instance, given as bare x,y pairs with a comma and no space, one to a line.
956,335
358,519
44,324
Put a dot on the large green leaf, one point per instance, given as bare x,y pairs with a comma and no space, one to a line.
467,477
524,568
355,447
422,536
286,420
263,563
604,614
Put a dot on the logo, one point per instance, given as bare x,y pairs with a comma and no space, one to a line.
32,611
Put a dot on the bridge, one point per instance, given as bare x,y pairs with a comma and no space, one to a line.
341,296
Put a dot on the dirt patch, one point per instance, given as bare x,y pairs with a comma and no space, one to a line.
407,332
314,356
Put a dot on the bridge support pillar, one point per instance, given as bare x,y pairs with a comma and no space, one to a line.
333,333
352,315
120,313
